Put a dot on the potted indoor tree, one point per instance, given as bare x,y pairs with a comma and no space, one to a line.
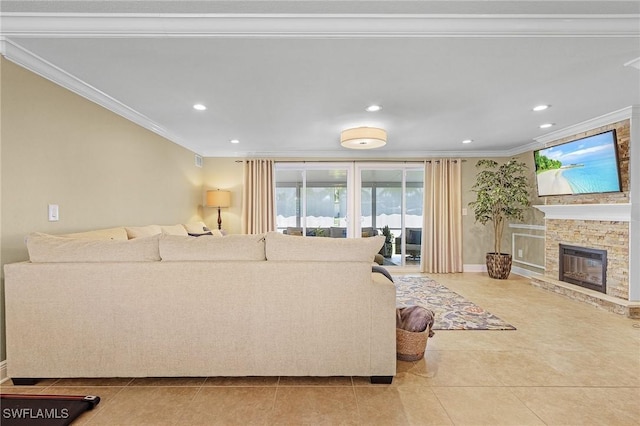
502,192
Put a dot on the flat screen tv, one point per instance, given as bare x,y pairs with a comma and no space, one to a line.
584,166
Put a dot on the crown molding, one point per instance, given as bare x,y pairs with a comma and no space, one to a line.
603,120
374,154
635,63
27,59
316,25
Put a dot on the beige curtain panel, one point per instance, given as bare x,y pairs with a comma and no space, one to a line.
442,227
258,197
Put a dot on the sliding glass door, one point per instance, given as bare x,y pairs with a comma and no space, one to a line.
342,200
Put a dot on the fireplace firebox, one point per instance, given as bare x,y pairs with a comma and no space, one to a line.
586,267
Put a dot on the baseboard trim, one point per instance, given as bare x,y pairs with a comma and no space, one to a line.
525,272
514,270
474,268
3,371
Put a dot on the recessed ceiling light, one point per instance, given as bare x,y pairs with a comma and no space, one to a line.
234,141
541,107
199,107
373,108
467,141
546,125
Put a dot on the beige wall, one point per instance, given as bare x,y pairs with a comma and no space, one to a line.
226,174
101,169
478,239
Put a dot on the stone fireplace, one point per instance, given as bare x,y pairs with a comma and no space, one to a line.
598,233
594,230
583,266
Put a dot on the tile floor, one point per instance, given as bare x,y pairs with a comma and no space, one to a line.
566,364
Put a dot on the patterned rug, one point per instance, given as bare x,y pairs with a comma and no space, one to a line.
452,311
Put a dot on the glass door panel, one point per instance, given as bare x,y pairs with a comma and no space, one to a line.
288,201
312,199
413,218
391,195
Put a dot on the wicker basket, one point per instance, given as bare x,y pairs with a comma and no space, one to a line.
410,346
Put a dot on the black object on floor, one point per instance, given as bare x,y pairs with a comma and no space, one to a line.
45,410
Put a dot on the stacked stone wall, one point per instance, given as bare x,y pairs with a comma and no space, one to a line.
603,235
610,236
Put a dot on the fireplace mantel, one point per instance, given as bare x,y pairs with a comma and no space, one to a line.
607,212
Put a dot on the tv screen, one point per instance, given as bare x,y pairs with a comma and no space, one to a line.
584,166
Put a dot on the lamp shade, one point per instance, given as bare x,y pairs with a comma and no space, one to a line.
363,138
218,198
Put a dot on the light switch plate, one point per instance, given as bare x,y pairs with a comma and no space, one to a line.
54,213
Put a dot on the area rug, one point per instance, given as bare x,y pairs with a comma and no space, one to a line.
452,311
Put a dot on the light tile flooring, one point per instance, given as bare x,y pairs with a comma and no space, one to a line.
566,364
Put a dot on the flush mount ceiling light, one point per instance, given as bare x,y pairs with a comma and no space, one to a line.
373,108
466,141
363,138
541,107
234,141
199,107
546,125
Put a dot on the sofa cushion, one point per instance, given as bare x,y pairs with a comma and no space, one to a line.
143,231
195,227
44,248
100,234
285,247
173,229
206,248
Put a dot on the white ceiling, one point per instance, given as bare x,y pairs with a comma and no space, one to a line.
286,77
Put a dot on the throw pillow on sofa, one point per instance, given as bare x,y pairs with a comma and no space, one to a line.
142,231
173,230
196,227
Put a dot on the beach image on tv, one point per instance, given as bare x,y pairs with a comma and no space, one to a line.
588,165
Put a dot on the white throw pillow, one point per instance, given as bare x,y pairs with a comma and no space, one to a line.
173,230
142,231
195,227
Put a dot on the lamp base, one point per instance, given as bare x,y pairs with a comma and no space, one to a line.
219,219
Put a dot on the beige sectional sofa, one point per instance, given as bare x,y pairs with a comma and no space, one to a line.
177,306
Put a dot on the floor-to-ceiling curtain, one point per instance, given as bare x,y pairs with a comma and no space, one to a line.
258,199
442,226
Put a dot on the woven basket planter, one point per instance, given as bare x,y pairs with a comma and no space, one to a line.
410,346
498,265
